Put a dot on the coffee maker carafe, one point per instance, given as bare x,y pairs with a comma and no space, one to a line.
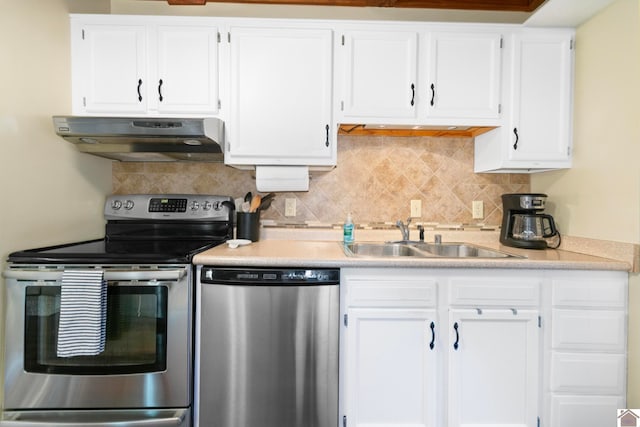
523,223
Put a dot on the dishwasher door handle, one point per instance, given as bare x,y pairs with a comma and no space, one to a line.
109,275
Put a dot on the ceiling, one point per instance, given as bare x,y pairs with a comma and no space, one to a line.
504,5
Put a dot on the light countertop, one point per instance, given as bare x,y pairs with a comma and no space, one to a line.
284,252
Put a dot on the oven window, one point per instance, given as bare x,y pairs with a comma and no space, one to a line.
136,333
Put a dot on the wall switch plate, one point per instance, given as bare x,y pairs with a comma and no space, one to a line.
477,209
416,208
289,207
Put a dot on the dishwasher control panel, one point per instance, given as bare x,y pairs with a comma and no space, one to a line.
270,276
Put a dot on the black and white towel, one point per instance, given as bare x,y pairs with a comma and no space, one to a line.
83,313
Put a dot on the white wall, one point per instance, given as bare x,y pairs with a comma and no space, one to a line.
49,193
600,196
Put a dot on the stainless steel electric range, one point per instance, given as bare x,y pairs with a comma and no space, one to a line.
142,374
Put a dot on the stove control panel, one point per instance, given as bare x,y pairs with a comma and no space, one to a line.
168,206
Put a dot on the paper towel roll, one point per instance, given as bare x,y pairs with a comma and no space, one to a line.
282,178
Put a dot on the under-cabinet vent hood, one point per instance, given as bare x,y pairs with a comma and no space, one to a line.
145,139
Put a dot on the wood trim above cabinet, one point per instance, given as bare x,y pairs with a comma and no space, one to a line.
497,5
440,131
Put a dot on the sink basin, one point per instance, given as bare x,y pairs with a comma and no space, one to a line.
382,250
422,250
461,250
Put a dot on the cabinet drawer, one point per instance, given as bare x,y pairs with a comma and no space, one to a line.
589,330
588,373
494,292
589,293
584,411
391,293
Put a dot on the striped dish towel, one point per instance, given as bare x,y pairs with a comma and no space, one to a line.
83,313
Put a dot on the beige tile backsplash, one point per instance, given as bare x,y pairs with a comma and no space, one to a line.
375,179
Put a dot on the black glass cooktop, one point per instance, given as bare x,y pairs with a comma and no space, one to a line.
118,251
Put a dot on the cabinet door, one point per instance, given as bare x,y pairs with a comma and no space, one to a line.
281,97
379,75
493,368
465,75
542,93
391,368
187,70
109,69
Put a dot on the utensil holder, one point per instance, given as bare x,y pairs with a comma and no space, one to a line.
248,226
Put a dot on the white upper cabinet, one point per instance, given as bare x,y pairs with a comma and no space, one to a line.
537,131
420,76
380,74
125,66
187,69
109,68
465,75
280,96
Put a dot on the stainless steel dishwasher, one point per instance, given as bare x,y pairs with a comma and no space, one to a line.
267,347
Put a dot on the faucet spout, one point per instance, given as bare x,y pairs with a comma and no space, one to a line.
404,228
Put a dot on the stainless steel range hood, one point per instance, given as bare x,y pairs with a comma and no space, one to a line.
144,139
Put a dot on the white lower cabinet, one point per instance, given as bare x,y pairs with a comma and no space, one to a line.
588,343
482,347
493,368
392,370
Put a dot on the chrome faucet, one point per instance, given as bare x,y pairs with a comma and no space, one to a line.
404,228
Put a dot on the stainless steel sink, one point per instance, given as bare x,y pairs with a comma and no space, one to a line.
462,250
382,250
422,249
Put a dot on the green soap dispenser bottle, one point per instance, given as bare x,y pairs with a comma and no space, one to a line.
347,230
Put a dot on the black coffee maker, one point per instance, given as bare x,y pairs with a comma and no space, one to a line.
523,223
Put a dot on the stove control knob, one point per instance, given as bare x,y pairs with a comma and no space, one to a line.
207,205
116,204
195,206
128,205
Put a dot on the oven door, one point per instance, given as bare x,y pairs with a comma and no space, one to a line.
147,358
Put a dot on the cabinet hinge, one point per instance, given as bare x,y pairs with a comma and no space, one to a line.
499,108
344,421
539,321
538,421
218,36
568,151
83,34
341,105
229,37
501,42
345,319
219,104
84,101
343,40
571,44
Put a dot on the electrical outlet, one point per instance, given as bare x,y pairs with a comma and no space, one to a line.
477,209
416,208
289,207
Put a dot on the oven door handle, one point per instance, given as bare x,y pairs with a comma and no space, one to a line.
109,275
165,418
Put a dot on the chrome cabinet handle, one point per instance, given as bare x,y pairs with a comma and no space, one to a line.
515,144
160,97
139,94
432,344
433,93
456,344
413,94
